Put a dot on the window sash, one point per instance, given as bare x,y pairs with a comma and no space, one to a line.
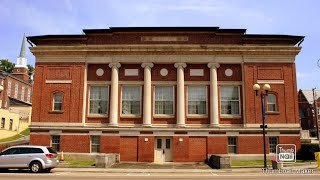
55,142
95,144
229,100
232,145
22,93
273,142
16,89
9,88
57,102
131,100
164,100
99,100
197,100
271,103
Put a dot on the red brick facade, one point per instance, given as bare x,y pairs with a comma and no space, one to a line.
118,54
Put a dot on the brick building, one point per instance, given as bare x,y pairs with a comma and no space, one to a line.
306,108
16,93
155,94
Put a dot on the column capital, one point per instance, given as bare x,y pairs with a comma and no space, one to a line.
178,65
144,65
213,65
114,65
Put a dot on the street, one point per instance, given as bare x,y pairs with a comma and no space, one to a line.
17,175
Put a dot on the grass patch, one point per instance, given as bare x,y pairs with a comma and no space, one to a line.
17,136
248,163
251,163
80,163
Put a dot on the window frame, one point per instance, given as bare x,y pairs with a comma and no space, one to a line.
275,145
187,100
53,144
16,90
53,101
239,105
236,145
3,123
94,144
108,101
121,100
29,95
22,92
267,103
10,124
173,101
9,88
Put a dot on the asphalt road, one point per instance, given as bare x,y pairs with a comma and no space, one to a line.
25,175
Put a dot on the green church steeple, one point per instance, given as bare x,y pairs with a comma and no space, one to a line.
23,47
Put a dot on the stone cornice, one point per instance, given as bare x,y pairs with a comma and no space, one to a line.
165,50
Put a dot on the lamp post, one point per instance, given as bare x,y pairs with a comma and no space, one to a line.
266,88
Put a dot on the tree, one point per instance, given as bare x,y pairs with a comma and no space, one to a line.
6,65
31,69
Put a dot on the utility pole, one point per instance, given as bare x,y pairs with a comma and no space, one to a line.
315,110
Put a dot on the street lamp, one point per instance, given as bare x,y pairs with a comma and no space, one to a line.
266,88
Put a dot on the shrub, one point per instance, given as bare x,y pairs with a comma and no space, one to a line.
307,151
313,133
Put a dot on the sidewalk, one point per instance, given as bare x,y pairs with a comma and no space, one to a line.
182,170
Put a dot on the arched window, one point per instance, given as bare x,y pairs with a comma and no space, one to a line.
272,103
57,101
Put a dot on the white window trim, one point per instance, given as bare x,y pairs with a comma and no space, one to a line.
154,103
53,101
16,90
108,105
187,101
91,144
9,88
23,89
29,95
231,115
131,115
276,104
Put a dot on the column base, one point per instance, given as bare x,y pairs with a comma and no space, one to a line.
180,125
146,125
113,125
214,125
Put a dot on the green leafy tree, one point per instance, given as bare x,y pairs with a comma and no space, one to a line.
31,69
6,65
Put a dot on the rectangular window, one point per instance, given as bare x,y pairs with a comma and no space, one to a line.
99,100
131,100
55,142
10,124
273,142
22,93
197,100
232,145
318,109
3,121
271,103
16,89
9,88
57,102
29,95
159,143
95,144
229,100
164,100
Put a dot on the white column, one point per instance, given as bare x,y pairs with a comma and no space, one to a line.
147,94
84,95
113,118
180,94
214,101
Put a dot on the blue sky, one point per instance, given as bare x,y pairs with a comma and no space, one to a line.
39,17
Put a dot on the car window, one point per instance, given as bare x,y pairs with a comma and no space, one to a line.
51,150
11,151
36,150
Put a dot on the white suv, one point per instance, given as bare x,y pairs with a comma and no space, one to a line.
35,158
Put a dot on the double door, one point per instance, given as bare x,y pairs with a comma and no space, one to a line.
163,149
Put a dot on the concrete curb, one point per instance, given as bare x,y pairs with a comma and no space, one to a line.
114,170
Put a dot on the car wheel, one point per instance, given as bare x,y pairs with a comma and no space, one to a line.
47,170
35,167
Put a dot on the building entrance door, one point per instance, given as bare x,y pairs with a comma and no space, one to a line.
163,149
